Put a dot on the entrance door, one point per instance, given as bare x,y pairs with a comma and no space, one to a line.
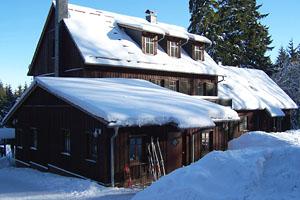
174,151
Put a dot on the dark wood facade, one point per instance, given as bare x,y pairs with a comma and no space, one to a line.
48,116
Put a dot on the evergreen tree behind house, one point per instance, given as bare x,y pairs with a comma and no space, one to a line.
239,38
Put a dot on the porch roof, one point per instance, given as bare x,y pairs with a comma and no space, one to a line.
132,102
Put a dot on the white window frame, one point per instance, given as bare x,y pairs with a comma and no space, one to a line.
174,49
147,46
198,53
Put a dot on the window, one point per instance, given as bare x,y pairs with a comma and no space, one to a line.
174,49
206,89
34,139
66,141
205,143
243,126
19,138
277,124
198,52
135,151
184,87
149,45
157,82
210,89
173,85
200,89
92,145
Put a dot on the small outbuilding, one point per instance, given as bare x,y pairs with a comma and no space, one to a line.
103,128
259,101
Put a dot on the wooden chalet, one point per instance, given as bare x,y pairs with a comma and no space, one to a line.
86,43
100,128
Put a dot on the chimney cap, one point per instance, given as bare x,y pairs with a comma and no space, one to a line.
150,12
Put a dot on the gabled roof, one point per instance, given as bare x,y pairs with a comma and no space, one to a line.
101,40
131,102
252,89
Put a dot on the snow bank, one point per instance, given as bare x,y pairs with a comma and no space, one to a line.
259,139
243,173
24,184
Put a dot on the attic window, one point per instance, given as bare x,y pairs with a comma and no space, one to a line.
174,49
198,52
149,44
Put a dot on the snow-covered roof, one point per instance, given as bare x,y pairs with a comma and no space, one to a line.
132,102
252,89
101,40
7,133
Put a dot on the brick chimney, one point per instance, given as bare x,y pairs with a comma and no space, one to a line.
151,16
61,12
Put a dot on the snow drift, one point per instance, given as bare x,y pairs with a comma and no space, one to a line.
258,166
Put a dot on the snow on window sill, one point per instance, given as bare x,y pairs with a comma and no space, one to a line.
65,153
90,160
33,148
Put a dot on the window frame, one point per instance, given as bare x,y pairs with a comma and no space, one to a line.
174,49
138,148
198,52
33,138
92,149
148,42
66,141
243,124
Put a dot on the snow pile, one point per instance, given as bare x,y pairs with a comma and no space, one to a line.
252,89
247,172
24,184
133,102
101,40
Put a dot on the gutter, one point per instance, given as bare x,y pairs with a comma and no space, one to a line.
112,157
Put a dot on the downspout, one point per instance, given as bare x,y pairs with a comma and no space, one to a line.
112,157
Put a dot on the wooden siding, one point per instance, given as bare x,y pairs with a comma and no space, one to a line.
49,115
43,61
192,80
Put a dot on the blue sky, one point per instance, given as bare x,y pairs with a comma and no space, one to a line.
21,23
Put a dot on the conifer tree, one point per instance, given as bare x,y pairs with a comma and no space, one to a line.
240,38
292,52
282,59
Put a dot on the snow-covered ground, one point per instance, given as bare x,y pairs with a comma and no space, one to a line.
25,184
258,166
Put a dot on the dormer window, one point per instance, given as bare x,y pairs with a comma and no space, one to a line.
198,52
174,49
149,44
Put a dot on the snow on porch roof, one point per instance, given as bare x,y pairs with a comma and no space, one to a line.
252,89
7,133
101,40
133,102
